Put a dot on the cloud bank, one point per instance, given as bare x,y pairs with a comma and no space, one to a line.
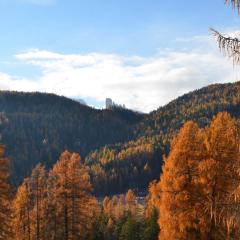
142,83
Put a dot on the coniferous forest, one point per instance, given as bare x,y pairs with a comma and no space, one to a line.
122,149
72,171
195,197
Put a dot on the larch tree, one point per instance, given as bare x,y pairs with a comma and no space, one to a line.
179,188
29,208
220,180
130,201
106,202
120,209
4,196
21,209
51,200
109,206
37,188
152,199
75,204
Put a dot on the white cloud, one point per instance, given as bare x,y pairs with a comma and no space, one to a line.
142,83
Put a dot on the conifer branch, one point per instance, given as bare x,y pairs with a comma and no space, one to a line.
228,46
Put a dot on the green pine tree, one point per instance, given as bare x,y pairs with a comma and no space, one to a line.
129,230
151,229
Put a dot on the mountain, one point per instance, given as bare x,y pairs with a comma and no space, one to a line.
200,105
121,148
37,127
134,164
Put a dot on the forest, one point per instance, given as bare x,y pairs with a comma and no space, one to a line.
69,171
197,196
122,149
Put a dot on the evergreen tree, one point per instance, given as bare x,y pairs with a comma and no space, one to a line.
99,227
129,229
151,229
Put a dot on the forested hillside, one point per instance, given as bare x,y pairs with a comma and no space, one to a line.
37,127
122,149
191,200
199,105
134,164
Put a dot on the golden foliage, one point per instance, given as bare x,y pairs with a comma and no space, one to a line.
57,206
198,192
153,198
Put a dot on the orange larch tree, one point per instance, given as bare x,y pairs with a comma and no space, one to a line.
179,191
37,187
153,198
131,204
220,180
21,209
29,208
74,202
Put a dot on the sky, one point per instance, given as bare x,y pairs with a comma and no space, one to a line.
139,53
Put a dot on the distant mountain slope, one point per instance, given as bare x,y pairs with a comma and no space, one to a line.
37,127
200,105
133,164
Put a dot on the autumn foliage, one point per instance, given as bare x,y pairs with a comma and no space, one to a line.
55,205
196,198
198,192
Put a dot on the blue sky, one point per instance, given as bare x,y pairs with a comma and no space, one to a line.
119,37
